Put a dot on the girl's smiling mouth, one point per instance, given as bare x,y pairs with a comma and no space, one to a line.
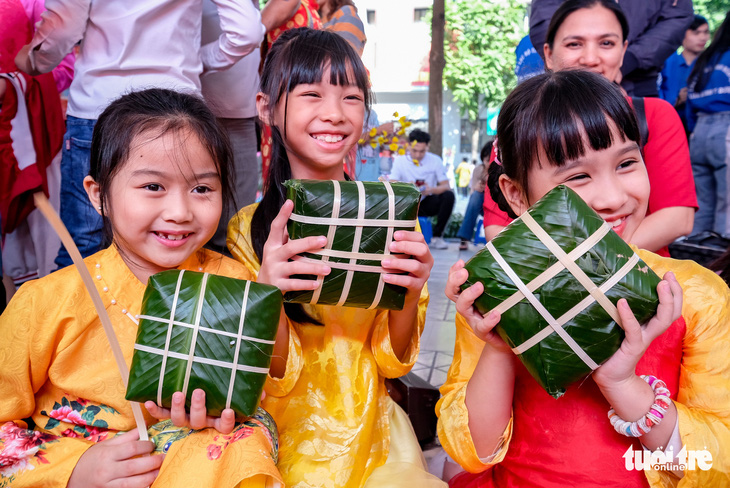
171,237
330,138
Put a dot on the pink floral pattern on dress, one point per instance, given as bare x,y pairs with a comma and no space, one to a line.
82,416
261,420
18,446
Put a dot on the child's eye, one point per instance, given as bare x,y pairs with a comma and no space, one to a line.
359,98
310,94
202,189
579,177
153,187
627,164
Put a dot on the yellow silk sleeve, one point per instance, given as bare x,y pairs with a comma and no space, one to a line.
703,400
453,423
388,363
30,337
280,387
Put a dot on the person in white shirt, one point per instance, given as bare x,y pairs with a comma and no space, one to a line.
426,170
126,46
231,96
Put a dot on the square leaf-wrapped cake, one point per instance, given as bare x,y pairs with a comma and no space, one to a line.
194,327
359,220
555,275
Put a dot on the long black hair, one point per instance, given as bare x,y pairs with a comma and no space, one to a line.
553,111
569,6
299,56
155,112
705,63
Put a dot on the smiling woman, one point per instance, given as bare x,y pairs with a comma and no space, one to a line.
591,35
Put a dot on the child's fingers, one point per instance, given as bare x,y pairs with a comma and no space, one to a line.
416,249
409,235
132,435
465,301
156,411
305,244
677,293
407,265
142,464
198,412
178,415
484,327
457,277
301,267
225,423
278,225
296,285
631,326
138,481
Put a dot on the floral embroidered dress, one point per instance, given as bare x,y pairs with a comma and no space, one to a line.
337,425
569,441
60,389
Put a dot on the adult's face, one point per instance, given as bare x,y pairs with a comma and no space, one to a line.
589,38
696,40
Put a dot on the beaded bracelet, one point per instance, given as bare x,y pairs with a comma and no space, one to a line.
653,416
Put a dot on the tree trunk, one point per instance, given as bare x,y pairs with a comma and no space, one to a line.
475,141
436,74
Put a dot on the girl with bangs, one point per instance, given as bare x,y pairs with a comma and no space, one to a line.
575,128
338,427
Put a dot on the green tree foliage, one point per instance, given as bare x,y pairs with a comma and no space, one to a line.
713,10
479,47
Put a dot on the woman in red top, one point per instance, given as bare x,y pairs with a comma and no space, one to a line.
591,34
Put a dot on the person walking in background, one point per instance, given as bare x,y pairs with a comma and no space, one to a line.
463,177
673,86
231,95
426,171
708,118
474,207
656,29
125,46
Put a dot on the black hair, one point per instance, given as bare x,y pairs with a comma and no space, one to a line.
486,151
697,22
705,63
553,111
419,135
156,112
299,56
569,6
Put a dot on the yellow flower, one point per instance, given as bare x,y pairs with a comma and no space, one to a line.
394,140
402,120
401,152
401,132
373,131
407,123
381,140
395,114
361,141
393,147
415,161
385,132
373,144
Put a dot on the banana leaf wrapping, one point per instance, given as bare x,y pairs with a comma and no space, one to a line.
359,220
236,322
586,320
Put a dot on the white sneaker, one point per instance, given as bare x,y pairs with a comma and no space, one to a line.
438,243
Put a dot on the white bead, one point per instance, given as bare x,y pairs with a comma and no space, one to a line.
98,265
136,316
98,277
106,288
114,302
233,343
200,268
124,310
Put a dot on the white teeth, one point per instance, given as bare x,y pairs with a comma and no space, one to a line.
171,237
616,223
329,138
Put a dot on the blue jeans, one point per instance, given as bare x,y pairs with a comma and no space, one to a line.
78,215
709,148
474,208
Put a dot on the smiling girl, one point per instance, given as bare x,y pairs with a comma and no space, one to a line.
574,128
338,426
160,176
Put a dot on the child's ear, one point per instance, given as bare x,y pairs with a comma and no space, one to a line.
262,107
513,194
94,192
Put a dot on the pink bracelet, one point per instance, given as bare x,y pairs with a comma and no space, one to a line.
653,417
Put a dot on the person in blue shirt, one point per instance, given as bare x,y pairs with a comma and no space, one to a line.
528,60
673,85
708,117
